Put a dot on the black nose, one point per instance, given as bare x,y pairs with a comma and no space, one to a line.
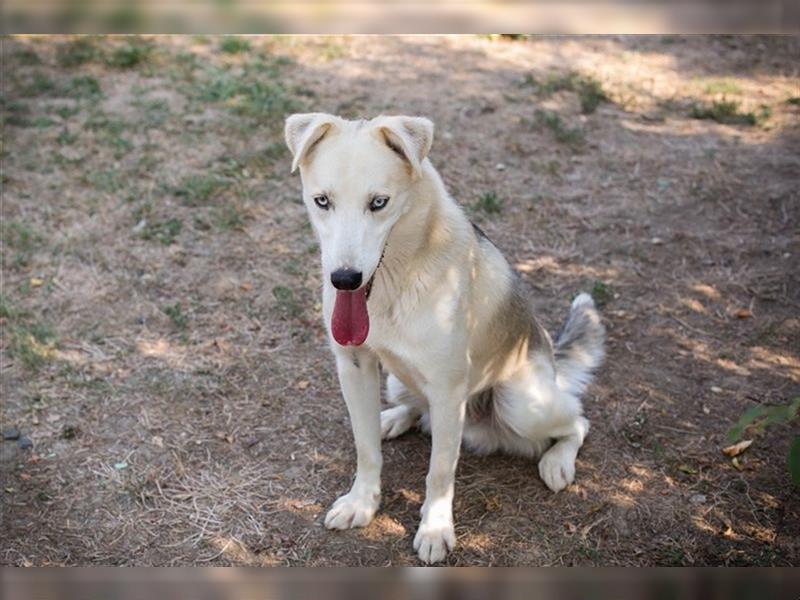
346,279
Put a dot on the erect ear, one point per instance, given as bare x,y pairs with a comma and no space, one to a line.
410,137
304,131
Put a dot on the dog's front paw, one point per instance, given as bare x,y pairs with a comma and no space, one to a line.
557,469
435,538
352,510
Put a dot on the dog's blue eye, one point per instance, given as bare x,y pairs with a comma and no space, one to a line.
322,201
378,202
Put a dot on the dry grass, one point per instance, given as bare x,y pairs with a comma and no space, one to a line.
161,340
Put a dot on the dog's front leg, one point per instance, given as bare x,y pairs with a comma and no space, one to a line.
436,535
359,378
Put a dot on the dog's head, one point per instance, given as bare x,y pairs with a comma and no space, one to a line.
356,176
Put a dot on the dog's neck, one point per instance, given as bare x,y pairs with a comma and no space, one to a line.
421,242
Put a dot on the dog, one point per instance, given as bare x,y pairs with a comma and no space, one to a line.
410,285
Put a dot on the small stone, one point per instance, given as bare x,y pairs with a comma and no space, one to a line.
716,389
657,241
697,499
500,167
10,433
120,466
24,443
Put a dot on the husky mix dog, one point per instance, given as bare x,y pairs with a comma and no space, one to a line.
410,285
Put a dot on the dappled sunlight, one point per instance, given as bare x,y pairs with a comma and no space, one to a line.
765,358
163,350
700,350
552,265
307,509
237,552
383,527
693,305
479,542
709,291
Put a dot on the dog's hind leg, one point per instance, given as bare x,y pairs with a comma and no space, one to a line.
533,410
405,410
557,465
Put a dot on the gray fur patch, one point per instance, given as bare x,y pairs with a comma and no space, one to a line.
579,345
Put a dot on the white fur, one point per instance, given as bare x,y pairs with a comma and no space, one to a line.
435,296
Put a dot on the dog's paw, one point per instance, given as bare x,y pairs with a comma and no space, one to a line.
434,539
352,510
557,469
396,421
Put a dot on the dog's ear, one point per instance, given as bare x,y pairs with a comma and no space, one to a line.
410,137
303,132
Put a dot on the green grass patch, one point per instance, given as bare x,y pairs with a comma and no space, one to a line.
175,313
30,341
32,344
197,190
38,85
65,138
570,136
602,293
83,87
724,111
793,101
257,92
589,90
41,122
488,203
234,45
110,131
165,232
78,52
22,238
129,56
155,112
108,180
27,57
229,217
722,87
14,112
67,111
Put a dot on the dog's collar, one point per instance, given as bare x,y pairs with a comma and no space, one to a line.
372,279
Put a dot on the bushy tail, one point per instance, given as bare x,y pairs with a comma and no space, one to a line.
579,346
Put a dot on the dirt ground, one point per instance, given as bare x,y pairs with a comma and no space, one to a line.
162,349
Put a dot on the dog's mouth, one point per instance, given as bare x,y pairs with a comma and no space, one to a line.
350,320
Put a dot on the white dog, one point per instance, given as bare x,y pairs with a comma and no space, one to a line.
411,285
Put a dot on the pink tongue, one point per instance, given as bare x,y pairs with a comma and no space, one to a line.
350,321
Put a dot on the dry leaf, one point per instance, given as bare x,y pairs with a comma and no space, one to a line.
36,282
246,286
301,385
737,449
743,313
688,469
735,463
493,504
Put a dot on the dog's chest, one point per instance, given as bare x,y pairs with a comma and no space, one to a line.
411,376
